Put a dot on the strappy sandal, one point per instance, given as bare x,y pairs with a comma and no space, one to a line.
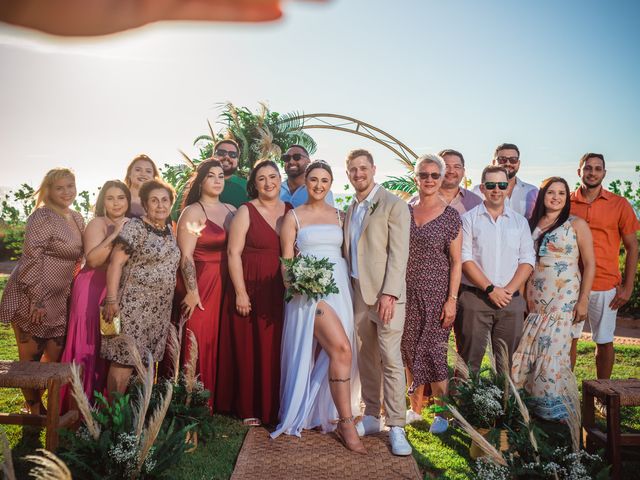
251,422
357,446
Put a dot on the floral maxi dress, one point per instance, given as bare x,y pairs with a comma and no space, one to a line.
541,364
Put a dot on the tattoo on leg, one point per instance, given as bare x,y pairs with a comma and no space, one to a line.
339,380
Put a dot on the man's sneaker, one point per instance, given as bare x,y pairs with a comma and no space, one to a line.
399,444
413,416
368,425
439,425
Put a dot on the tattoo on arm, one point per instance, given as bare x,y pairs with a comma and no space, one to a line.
189,275
319,312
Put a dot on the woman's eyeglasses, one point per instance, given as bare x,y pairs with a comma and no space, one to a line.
426,175
493,185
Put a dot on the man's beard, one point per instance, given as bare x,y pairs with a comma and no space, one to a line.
296,174
229,170
511,174
592,185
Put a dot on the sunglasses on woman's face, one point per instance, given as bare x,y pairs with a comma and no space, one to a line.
493,185
221,152
426,175
296,156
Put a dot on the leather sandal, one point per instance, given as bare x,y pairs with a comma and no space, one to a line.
356,446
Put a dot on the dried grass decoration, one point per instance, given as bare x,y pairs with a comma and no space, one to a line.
121,439
506,442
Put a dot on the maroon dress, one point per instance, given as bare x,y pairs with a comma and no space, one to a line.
428,271
248,382
210,258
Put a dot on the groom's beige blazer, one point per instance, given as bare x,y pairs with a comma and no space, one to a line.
383,247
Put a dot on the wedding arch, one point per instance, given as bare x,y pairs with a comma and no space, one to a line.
343,123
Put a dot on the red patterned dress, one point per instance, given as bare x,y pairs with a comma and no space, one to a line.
50,259
428,271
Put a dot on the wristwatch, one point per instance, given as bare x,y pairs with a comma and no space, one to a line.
489,289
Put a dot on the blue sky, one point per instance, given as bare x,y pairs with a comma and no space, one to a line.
557,78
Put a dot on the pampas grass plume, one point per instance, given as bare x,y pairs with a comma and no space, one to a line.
154,425
77,392
49,466
492,454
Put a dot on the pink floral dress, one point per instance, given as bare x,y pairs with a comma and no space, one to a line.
541,363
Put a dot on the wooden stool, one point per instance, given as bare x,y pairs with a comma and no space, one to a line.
613,394
39,376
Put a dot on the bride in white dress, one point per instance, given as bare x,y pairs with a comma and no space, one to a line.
319,384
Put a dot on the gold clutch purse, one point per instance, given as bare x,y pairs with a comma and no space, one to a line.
109,329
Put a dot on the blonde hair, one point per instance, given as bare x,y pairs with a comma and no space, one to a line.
52,176
427,159
140,158
360,152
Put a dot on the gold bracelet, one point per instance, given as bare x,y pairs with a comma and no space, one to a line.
455,297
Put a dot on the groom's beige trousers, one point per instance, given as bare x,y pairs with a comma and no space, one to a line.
380,360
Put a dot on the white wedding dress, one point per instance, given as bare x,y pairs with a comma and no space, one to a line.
305,398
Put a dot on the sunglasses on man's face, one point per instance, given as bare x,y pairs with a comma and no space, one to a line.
221,152
426,175
493,185
505,160
296,156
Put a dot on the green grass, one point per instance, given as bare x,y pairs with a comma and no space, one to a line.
214,458
447,456
444,456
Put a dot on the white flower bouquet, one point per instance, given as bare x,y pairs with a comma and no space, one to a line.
310,276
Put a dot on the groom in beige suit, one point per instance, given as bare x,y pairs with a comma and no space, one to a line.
376,246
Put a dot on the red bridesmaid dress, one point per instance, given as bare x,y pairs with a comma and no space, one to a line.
248,383
210,258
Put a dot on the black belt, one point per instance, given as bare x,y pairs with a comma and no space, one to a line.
479,291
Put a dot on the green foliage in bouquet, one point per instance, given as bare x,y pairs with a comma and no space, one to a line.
310,276
195,413
118,452
490,399
480,399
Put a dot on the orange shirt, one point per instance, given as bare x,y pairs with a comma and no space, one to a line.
610,216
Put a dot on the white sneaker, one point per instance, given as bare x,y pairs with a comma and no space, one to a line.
413,417
368,425
399,444
439,425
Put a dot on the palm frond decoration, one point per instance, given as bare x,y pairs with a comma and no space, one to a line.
404,187
204,138
410,165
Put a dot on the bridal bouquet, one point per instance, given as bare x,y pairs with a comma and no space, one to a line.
310,276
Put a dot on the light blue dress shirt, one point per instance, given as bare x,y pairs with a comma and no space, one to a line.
355,227
300,195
